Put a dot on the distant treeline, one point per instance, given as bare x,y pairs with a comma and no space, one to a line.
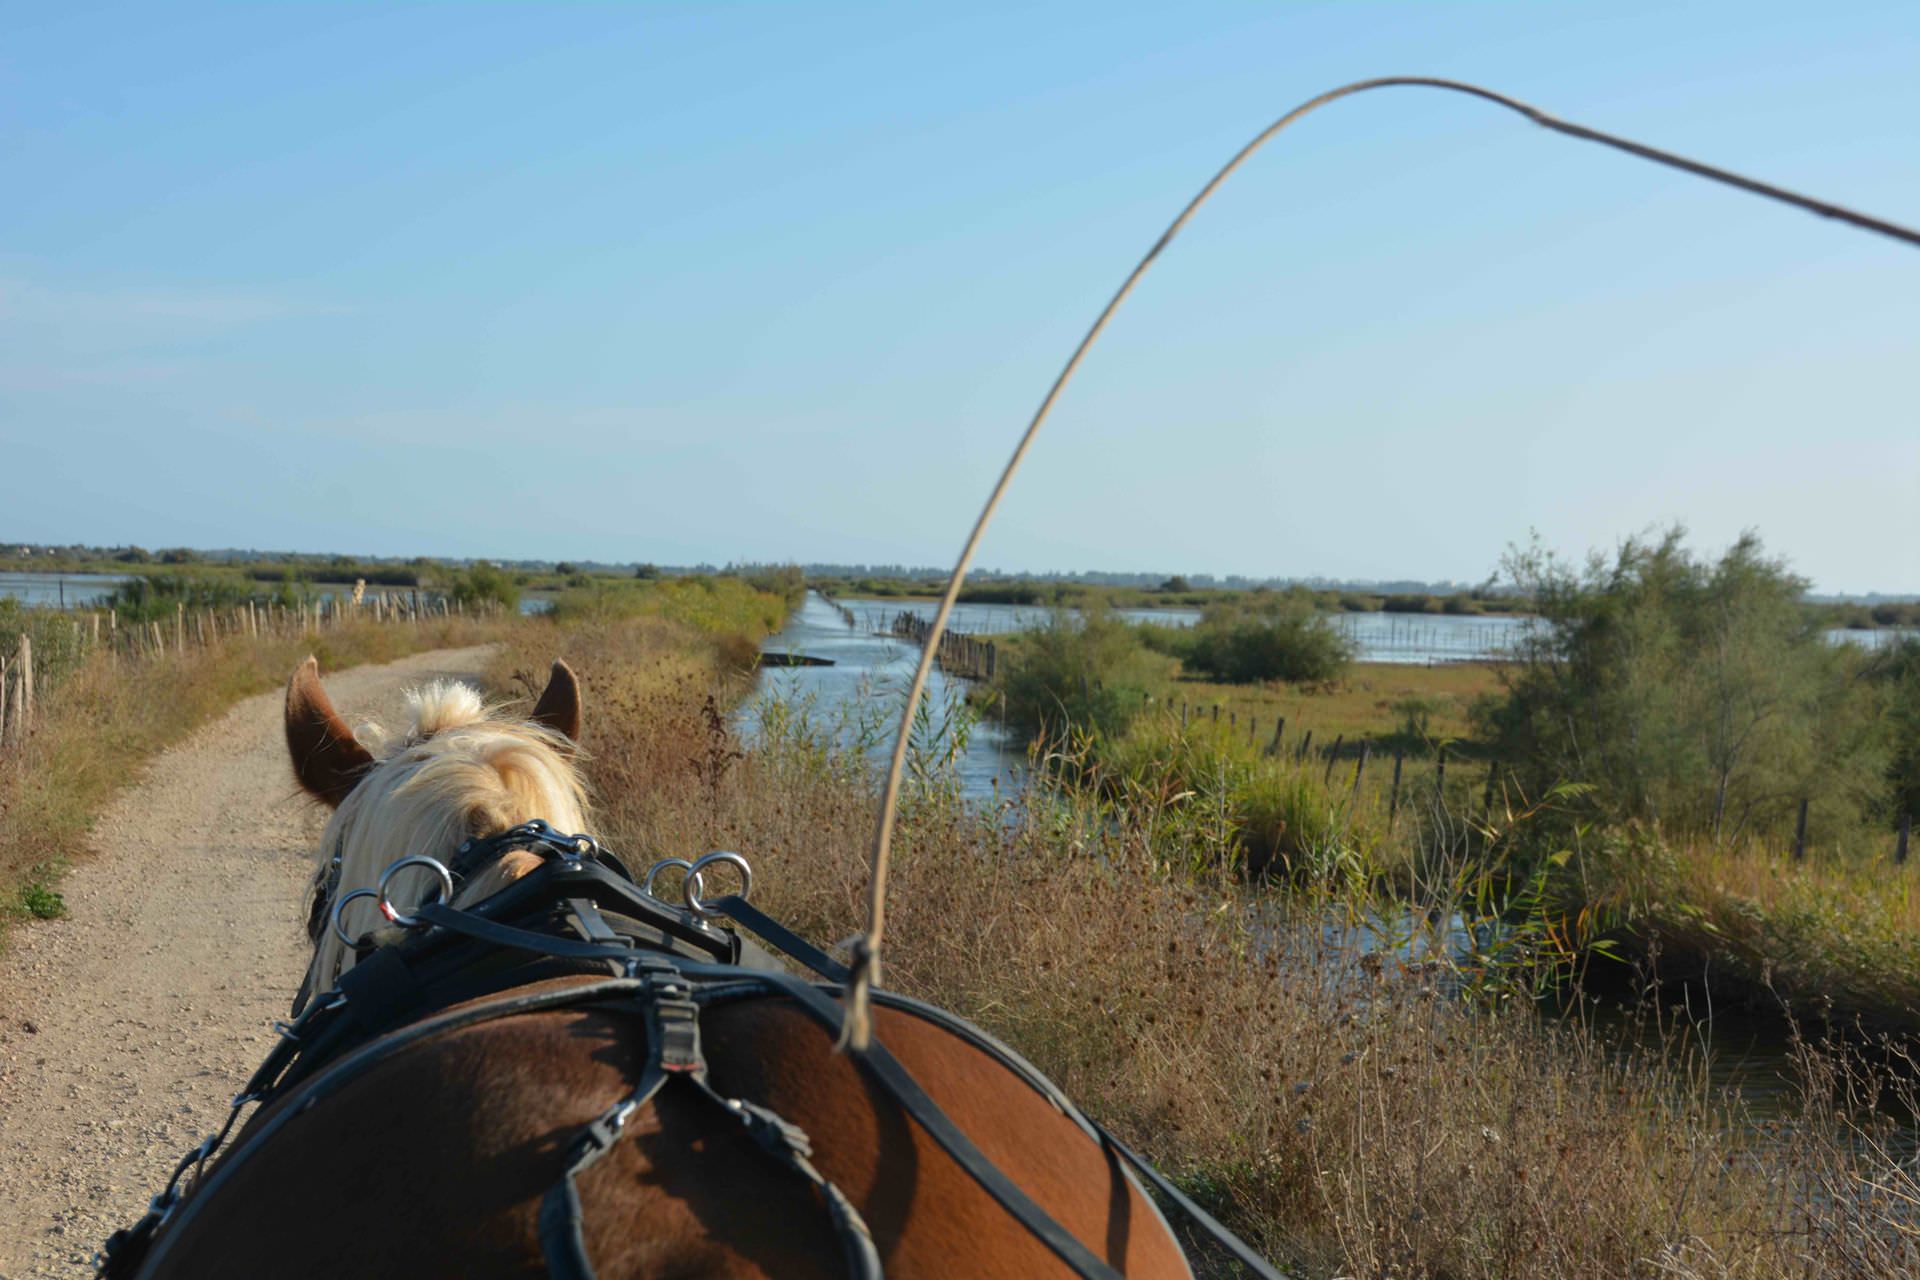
1866,617
1176,594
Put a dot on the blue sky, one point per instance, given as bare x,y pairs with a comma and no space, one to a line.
710,282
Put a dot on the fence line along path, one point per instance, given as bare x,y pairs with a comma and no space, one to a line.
29,668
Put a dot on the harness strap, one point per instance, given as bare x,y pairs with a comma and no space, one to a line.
885,1068
673,1050
789,1144
562,1241
906,1091
455,920
783,939
806,953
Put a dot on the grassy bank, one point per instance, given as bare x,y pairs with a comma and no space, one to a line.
1833,937
1349,1115
107,717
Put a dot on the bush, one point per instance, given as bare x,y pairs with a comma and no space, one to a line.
155,597
484,581
1086,671
1159,637
1699,695
1415,714
1277,638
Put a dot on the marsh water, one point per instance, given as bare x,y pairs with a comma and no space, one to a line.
59,590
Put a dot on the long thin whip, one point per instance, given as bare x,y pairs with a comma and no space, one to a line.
866,947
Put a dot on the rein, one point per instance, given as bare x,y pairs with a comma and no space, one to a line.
666,963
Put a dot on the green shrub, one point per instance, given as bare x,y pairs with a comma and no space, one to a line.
1084,671
1271,638
153,597
1415,714
1697,694
482,582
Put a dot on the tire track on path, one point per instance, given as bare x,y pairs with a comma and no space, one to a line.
127,1027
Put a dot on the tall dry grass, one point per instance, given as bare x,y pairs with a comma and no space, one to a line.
1348,1112
109,715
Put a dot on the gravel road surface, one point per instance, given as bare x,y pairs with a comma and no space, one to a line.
127,1027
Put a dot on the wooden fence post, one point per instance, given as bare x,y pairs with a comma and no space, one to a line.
1440,771
1333,753
1800,833
1393,794
1306,745
1906,829
1359,767
23,689
1280,727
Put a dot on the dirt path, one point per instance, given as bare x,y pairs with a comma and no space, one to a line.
126,1028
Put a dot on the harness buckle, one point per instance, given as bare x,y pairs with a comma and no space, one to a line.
673,1022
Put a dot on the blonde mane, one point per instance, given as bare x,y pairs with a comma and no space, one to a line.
458,771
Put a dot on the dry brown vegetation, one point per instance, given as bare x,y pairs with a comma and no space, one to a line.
111,714
1352,1116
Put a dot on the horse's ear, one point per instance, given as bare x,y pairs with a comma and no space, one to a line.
327,759
559,705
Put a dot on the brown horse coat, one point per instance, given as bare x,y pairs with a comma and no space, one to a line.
435,1161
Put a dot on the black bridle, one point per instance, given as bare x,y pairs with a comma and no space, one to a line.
580,912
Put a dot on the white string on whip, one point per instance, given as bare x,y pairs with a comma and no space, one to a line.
865,963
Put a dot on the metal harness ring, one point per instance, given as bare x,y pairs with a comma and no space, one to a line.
339,913
691,889
417,860
653,873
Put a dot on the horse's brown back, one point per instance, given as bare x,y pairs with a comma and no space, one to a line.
434,1163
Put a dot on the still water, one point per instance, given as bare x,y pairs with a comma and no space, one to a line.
1408,638
1378,637
59,590
863,691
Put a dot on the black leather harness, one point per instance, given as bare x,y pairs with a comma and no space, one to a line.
579,913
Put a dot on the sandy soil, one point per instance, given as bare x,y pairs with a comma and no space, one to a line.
126,1028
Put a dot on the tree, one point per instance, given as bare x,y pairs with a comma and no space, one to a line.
1701,695
1176,583
1896,669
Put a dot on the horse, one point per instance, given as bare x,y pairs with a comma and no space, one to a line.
435,1148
